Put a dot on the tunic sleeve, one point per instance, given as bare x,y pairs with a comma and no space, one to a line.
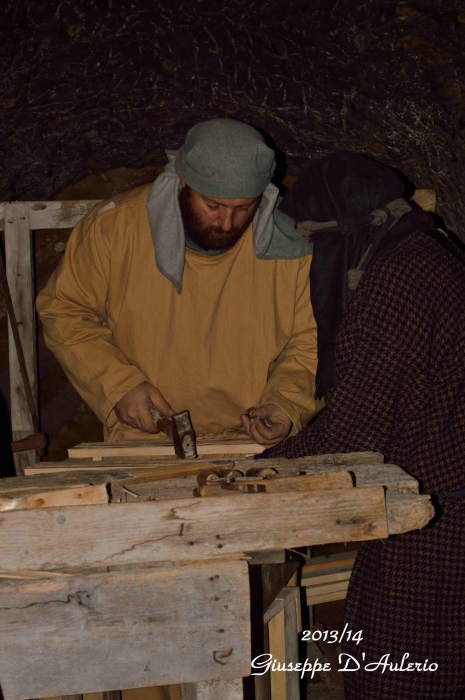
291,379
72,308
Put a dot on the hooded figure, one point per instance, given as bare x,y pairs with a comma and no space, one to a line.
397,388
352,209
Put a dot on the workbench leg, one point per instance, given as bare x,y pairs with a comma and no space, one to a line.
20,275
283,631
213,690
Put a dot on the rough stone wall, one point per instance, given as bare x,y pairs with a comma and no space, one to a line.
90,85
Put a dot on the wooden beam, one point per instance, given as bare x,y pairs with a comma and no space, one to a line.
407,511
154,627
81,495
188,528
392,477
283,620
365,473
45,215
162,469
157,448
213,690
291,644
281,484
277,644
336,459
20,275
328,596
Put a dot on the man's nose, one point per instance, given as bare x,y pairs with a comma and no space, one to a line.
226,219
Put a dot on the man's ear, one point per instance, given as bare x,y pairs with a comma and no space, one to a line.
182,183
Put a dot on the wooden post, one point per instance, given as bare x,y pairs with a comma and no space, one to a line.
284,625
20,275
213,690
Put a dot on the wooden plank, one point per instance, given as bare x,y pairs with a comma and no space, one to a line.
98,450
186,529
66,479
281,484
277,643
162,470
407,511
328,562
12,485
376,474
328,597
323,579
44,215
20,275
327,588
95,632
335,459
153,490
82,496
388,475
213,690
185,487
31,575
291,643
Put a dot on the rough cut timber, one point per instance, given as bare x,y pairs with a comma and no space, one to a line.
81,495
20,275
333,458
187,529
213,690
407,511
165,469
135,629
136,462
98,450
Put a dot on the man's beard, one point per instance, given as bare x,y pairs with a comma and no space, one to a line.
208,237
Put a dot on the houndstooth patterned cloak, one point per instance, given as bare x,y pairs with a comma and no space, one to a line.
400,362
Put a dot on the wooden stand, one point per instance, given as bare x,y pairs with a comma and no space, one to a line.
148,584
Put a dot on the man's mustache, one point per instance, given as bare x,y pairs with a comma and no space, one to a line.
220,231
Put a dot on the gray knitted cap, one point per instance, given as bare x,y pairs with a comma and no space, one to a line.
225,158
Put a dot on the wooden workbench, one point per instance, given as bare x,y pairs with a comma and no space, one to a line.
117,593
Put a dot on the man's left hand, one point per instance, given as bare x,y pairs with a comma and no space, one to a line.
267,425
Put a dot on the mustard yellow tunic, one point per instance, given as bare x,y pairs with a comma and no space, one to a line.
241,334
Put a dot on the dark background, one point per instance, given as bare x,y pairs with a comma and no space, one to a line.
89,86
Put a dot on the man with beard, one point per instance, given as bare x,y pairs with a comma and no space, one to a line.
190,293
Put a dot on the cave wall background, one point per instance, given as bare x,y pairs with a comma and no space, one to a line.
92,85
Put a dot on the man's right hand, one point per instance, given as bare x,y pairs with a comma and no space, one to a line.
134,408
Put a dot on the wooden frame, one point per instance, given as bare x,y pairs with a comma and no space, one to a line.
64,567
19,220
